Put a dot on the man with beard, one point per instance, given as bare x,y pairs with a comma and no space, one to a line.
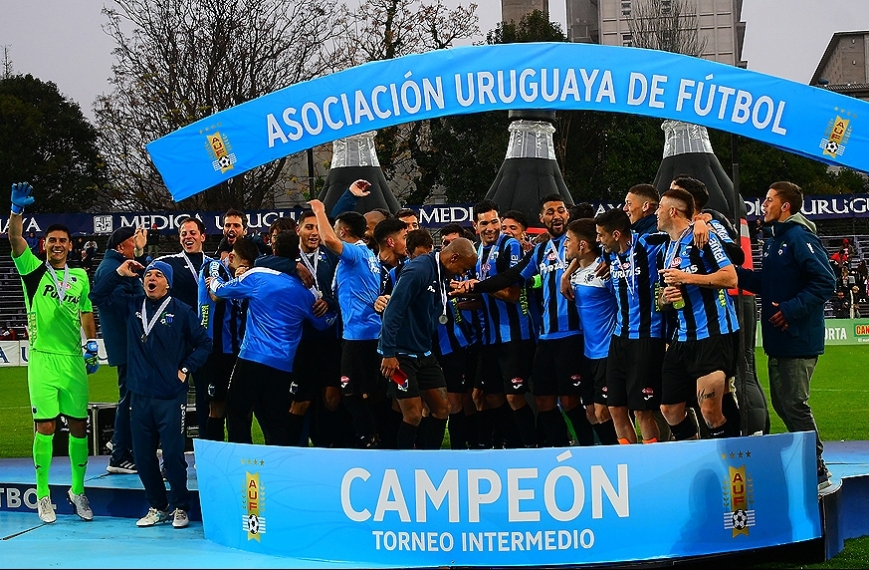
557,360
508,339
165,342
58,308
234,225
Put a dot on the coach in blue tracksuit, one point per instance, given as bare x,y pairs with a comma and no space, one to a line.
418,303
164,343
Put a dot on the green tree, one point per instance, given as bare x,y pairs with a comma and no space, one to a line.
46,141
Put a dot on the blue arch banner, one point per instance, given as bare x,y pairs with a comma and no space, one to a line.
804,120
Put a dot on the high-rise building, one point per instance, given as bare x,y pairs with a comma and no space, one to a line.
720,29
514,10
844,67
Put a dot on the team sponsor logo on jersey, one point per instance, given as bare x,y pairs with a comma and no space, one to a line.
253,499
738,496
220,151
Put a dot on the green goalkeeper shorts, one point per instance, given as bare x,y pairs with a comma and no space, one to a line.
58,384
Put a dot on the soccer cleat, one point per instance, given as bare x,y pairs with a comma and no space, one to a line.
46,510
154,517
824,478
179,518
81,505
125,467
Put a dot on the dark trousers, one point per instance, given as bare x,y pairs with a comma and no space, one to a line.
257,388
122,443
153,421
200,388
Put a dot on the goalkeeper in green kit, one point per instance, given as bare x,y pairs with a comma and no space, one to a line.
56,299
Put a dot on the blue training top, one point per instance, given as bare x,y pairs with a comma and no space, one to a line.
277,306
357,284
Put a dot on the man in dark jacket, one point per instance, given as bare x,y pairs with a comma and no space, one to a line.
113,316
794,283
164,343
418,303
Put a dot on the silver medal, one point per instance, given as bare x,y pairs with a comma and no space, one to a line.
443,319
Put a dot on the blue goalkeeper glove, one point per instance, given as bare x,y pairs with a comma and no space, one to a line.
91,356
21,196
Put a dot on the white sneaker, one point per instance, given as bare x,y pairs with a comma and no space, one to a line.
46,510
154,517
81,505
179,518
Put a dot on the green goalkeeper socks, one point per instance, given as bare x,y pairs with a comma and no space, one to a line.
42,461
78,460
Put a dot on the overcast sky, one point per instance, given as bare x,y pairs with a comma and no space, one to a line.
62,40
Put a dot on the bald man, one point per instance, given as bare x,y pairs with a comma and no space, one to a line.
418,303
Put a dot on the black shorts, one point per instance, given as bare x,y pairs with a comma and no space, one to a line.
455,366
687,361
594,370
217,371
256,386
360,367
505,368
634,373
423,373
558,368
317,365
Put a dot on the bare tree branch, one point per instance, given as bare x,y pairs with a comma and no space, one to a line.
178,61
666,25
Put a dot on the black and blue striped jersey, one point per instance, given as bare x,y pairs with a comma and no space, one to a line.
225,319
634,274
560,317
503,321
707,312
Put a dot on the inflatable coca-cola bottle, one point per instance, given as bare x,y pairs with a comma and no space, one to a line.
529,171
354,158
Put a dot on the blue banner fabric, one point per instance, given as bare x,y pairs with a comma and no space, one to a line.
805,120
504,508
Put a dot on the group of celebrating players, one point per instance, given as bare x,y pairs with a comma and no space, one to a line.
353,332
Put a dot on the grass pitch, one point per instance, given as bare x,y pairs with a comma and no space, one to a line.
839,400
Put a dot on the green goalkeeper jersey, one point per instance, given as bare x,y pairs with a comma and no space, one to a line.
54,325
